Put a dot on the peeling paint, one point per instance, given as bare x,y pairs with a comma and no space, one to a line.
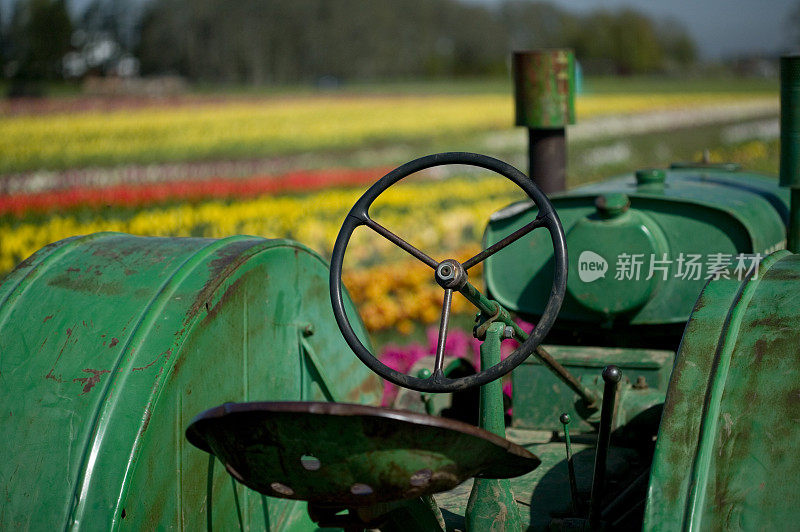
166,354
728,422
89,382
60,352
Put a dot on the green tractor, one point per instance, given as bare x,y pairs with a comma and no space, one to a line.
158,383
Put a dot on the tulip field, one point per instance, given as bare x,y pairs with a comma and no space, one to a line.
106,170
279,126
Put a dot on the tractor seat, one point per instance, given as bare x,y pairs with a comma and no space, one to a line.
350,455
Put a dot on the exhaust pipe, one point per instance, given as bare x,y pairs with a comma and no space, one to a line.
790,144
544,94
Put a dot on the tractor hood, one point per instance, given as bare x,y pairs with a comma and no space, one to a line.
642,245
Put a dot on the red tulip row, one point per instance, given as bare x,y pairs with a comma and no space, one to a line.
136,195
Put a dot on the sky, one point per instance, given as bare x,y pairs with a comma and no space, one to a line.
720,28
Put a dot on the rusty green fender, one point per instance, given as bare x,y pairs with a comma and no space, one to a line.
726,456
111,343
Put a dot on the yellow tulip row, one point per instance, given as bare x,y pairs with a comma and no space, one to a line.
268,127
756,155
400,294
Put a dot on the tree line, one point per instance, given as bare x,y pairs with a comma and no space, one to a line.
321,41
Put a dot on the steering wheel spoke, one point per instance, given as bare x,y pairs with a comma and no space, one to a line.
539,221
399,242
438,362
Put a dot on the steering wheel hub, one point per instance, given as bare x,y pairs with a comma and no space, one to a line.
450,274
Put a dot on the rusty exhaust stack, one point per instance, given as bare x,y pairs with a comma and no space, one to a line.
544,93
790,144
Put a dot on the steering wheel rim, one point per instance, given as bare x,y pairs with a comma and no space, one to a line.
359,215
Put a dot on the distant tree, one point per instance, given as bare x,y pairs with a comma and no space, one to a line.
679,48
622,42
290,41
636,46
106,33
303,40
531,25
118,19
158,48
40,36
3,43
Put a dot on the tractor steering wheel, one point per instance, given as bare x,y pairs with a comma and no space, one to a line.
452,275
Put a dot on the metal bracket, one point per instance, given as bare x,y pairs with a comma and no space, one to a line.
479,331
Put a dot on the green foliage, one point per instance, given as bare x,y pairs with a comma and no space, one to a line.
279,42
678,47
3,40
289,41
627,42
111,18
39,37
308,40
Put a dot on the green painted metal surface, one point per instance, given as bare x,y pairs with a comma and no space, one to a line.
690,212
420,514
539,399
491,505
110,344
726,455
622,231
544,88
544,493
